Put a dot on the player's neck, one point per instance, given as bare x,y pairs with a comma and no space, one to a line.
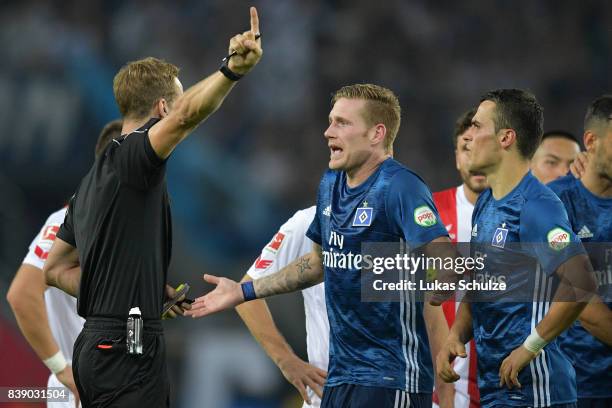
355,177
130,125
596,184
507,176
471,195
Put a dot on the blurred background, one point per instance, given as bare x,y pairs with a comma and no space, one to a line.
260,157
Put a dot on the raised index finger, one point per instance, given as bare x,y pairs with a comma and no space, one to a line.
254,21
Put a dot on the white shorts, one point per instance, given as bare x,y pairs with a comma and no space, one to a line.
314,398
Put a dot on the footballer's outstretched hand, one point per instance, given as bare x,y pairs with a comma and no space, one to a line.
226,295
247,47
512,366
451,349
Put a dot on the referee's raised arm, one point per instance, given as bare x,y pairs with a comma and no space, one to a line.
202,99
115,245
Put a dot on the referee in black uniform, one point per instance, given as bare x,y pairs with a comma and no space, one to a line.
114,247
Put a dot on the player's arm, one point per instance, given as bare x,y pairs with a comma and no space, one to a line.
442,247
204,98
437,332
596,318
26,296
257,317
304,272
62,268
577,287
459,335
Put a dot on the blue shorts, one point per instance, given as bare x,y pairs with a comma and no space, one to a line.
361,396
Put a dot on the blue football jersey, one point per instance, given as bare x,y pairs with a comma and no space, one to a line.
591,219
381,344
525,235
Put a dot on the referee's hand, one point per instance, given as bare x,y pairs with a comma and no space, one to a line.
179,308
247,47
226,295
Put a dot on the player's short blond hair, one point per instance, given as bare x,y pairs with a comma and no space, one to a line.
382,106
139,85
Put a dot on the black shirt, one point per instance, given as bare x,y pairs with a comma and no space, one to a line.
119,220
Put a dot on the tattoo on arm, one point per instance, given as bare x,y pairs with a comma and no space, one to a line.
302,273
303,265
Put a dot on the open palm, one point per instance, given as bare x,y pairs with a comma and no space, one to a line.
226,295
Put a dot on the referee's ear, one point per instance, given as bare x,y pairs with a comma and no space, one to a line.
161,108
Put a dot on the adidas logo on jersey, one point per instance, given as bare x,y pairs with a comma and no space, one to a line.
327,211
475,231
585,232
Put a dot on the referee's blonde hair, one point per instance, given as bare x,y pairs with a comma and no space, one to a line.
382,106
139,85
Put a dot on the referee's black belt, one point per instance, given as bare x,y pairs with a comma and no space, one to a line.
111,324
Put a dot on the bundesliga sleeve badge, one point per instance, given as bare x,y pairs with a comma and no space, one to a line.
276,242
47,237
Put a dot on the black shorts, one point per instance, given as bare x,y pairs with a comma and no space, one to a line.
106,376
361,396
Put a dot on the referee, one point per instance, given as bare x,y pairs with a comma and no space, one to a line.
114,247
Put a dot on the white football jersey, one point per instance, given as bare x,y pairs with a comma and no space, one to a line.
289,243
458,221
64,321
464,231
464,216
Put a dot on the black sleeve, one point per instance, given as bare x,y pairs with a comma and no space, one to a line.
66,231
136,162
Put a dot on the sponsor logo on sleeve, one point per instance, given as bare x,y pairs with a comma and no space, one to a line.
558,238
276,242
263,264
424,216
